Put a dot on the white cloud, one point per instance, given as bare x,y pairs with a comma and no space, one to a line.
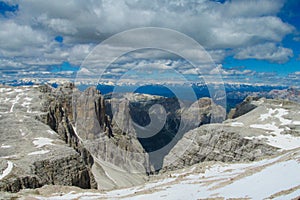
212,24
58,25
238,25
250,8
74,54
267,51
230,72
17,40
8,63
297,73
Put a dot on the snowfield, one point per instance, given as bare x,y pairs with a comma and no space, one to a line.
277,177
276,124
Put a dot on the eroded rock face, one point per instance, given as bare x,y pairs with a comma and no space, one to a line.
214,142
158,122
60,117
243,108
90,117
32,154
80,119
271,127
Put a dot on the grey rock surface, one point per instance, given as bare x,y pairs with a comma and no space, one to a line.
158,122
271,127
214,142
81,121
31,154
243,108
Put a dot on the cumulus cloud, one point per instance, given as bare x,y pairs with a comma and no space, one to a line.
19,40
211,23
267,51
238,27
231,72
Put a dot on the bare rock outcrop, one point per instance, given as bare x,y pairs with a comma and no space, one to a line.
213,142
81,121
30,152
271,127
243,108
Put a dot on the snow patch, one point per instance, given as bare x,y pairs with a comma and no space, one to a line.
15,101
25,104
39,152
22,132
41,141
237,124
276,139
18,90
28,99
9,168
5,89
9,157
5,146
250,186
51,132
296,122
276,113
263,117
268,127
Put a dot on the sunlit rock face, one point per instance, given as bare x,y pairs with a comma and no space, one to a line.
261,127
30,151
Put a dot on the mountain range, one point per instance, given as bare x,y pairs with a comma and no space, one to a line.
134,145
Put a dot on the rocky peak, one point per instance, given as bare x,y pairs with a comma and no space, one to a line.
243,108
90,117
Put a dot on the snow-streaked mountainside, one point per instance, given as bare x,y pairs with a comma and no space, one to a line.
274,121
272,178
261,161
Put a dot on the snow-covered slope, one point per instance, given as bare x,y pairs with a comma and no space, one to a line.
276,122
277,177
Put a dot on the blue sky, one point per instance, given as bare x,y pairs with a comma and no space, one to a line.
250,41
289,14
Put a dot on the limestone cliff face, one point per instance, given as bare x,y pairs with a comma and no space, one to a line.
214,142
243,108
33,155
60,116
61,119
80,119
90,117
56,169
261,127
159,129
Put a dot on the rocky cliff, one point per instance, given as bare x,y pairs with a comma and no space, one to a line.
158,122
272,126
30,152
125,129
81,121
243,108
